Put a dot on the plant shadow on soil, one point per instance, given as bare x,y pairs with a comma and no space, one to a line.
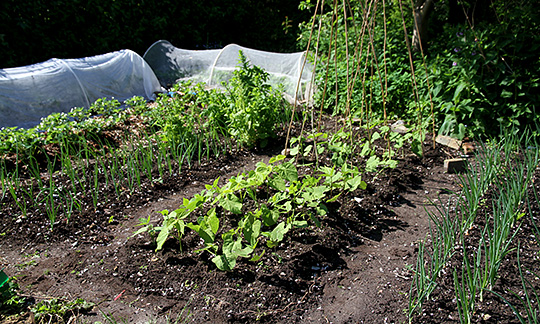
353,269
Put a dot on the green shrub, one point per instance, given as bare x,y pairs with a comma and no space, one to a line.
254,108
481,78
486,79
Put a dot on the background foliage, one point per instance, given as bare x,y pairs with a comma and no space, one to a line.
35,30
481,57
479,70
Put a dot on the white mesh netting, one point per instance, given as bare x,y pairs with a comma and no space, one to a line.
212,67
31,92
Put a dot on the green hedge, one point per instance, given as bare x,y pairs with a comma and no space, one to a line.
35,30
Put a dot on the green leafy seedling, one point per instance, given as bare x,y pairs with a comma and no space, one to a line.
232,249
277,234
207,226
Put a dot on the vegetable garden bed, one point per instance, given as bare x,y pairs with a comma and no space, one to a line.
367,236
119,218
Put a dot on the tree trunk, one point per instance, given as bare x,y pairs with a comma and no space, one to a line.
422,10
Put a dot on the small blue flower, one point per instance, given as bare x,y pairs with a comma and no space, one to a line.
473,53
459,34
457,49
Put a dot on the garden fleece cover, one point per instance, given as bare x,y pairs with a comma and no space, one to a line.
215,66
32,92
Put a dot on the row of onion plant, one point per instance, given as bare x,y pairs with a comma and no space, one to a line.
58,184
190,124
506,168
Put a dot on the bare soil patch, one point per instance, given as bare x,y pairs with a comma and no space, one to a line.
356,268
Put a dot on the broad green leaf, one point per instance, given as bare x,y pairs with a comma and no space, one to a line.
252,229
314,194
506,94
334,180
277,183
375,136
307,150
194,227
243,252
271,244
227,241
310,181
185,202
166,213
355,183
294,187
208,226
437,89
163,234
143,221
224,263
288,171
261,172
334,198
179,225
236,246
277,159
460,134
416,147
300,224
269,216
392,164
278,197
322,210
315,220
320,191
365,149
287,206
193,203
448,124
372,163
279,232
457,93
327,171
251,194
213,220
141,230
231,203
324,135
256,258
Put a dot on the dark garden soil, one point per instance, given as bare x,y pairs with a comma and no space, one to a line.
356,268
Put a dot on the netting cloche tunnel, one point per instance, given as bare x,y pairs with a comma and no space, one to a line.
31,92
172,64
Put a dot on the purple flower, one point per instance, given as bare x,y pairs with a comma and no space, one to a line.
457,49
459,34
454,63
473,53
